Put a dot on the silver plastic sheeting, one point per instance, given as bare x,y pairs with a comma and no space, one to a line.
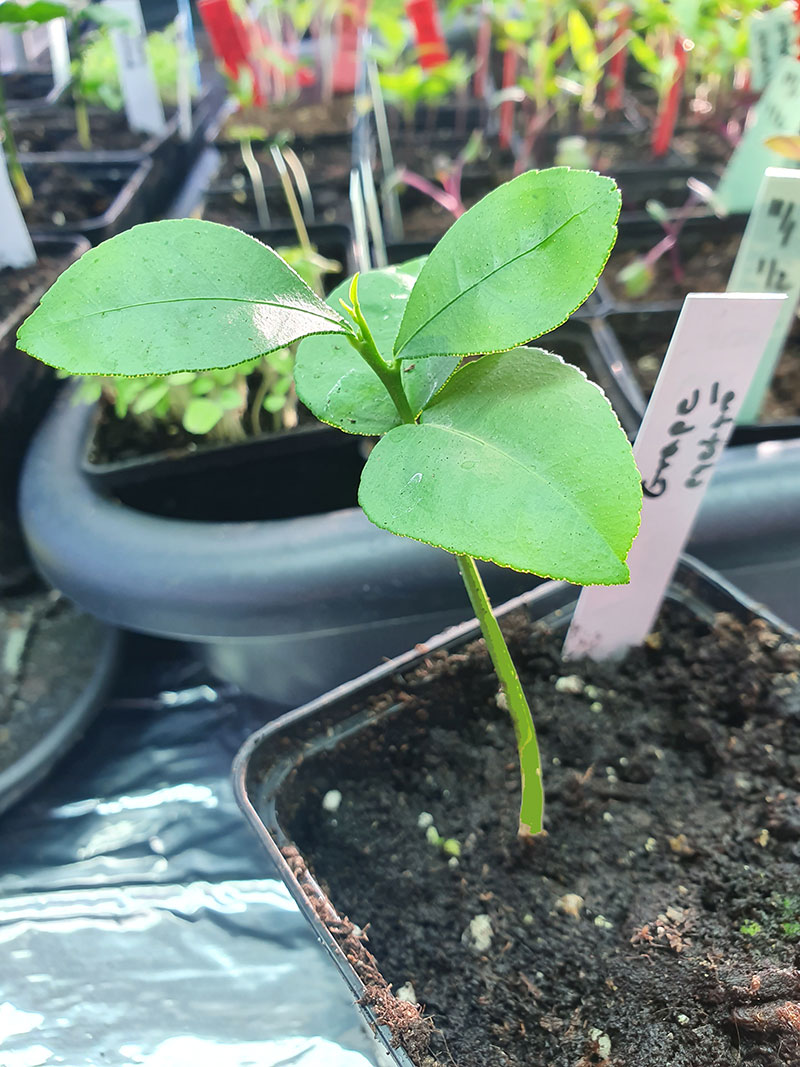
138,921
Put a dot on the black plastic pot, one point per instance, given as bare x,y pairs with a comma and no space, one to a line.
638,232
284,607
31,90
257,553
124,183
22,776
166,155
625,336
268,758
27,388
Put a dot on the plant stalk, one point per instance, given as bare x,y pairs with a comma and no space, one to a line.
256,181
532,804
389,373
15,171
82,123
530,765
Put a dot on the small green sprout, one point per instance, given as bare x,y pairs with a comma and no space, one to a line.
750,928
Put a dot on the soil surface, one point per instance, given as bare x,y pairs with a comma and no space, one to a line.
645,337
237,206
63,195
302,120
705,265
323,164
17,285
657,924
47,655
54,131
706,147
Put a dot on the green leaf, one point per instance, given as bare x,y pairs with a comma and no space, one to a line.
274,404
101,15
514,266
149,397
173,296
201,415
581,42
40,11
519,460
333,380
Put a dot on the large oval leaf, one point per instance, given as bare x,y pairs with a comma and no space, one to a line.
336,384
173,296
514,266
519,460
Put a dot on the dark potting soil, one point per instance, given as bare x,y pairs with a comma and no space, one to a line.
658,922
323,164
705,267
49,131
116,440
301,120
703,146
64,195
19,284
47,656
238,207
645,338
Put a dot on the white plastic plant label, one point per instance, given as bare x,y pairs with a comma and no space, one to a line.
768,261
185,75
717,345
776,113
59,51
773,35
16,247
139,90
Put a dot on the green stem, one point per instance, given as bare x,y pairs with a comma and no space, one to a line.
82,123
15,171
389,373
532,805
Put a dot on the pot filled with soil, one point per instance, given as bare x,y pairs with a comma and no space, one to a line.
58,665
267,530
655,922
97,200
635,343
27,389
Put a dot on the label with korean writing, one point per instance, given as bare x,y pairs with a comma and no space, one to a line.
16,248
717,345
768,261
143,107
773,35
776,113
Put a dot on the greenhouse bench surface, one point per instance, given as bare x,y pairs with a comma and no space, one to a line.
139,918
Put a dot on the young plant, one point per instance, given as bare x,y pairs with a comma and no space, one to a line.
16,17
449,174
514,457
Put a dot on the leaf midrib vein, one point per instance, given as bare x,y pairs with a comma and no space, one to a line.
484,443
197,299
502,266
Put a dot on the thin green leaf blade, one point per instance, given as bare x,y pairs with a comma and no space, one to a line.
516,265
519,460
173,296
335,383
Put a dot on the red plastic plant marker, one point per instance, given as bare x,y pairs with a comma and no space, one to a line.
431,45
